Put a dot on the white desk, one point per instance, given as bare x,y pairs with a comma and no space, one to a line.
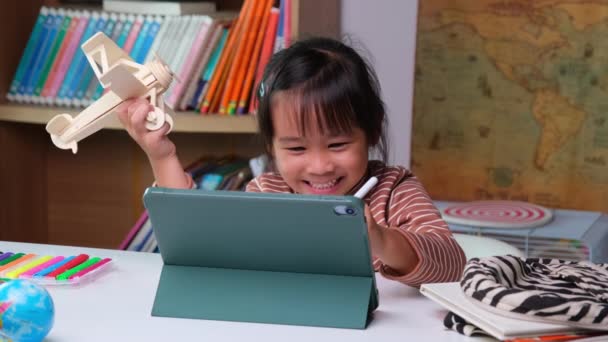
117,305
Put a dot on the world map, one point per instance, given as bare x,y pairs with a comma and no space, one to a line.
511,101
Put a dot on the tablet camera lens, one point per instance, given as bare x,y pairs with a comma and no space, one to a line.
345,210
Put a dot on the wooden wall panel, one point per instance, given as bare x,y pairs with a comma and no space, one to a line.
23,209
90,193
315,18
17,19
95,196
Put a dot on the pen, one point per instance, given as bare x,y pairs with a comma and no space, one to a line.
79,259
9,259
31,272
28,266
47,270
15,262
366,187
90,268
65,275
6,255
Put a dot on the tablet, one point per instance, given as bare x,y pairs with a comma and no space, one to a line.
295,259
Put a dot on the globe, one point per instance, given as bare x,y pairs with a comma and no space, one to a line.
26,311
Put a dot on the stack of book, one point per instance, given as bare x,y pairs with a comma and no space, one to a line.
217,58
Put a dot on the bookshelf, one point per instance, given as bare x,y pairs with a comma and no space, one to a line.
94,197
188,122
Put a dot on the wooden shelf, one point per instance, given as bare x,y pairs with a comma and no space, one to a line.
188,122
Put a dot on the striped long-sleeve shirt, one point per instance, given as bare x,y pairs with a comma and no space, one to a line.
400,202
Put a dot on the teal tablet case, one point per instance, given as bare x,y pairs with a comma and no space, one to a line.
260,257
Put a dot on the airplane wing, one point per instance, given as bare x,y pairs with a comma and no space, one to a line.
102,53
122,82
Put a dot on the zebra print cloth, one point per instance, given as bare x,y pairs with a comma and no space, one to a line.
455,322
547,290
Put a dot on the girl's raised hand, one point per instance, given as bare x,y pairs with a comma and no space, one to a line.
132,114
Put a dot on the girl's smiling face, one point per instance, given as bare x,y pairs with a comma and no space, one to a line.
314,159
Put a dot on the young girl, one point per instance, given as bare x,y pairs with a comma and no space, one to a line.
319,115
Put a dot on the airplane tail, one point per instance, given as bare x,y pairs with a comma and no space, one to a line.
56,127
59,123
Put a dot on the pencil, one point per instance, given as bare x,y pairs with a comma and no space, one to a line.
366,187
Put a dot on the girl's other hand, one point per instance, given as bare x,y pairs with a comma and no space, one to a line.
132,114
390,246
375,233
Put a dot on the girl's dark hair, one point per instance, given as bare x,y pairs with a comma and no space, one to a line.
326,82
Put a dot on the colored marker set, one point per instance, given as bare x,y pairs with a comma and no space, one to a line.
48,269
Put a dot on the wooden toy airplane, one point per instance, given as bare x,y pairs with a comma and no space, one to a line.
123,79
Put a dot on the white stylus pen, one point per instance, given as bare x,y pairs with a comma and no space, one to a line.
366,187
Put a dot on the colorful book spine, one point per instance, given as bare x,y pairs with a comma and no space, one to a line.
186,37
68,54
228,87
265,54
110,31
278,42
217,62
141,36
126,30
240,106
120,23
44,32
196,74
155,24
83,70
287,24
71,72
121,41
150,243
176,41
53,72
202,85
28,54
133,232
148,233
56,18
194,54
160,36
138,239
52,55
250,55
118,29
133,34
211,88
161,49
89,82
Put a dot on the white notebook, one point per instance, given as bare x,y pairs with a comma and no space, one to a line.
451,297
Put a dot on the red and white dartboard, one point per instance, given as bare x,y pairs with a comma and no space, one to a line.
497,214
